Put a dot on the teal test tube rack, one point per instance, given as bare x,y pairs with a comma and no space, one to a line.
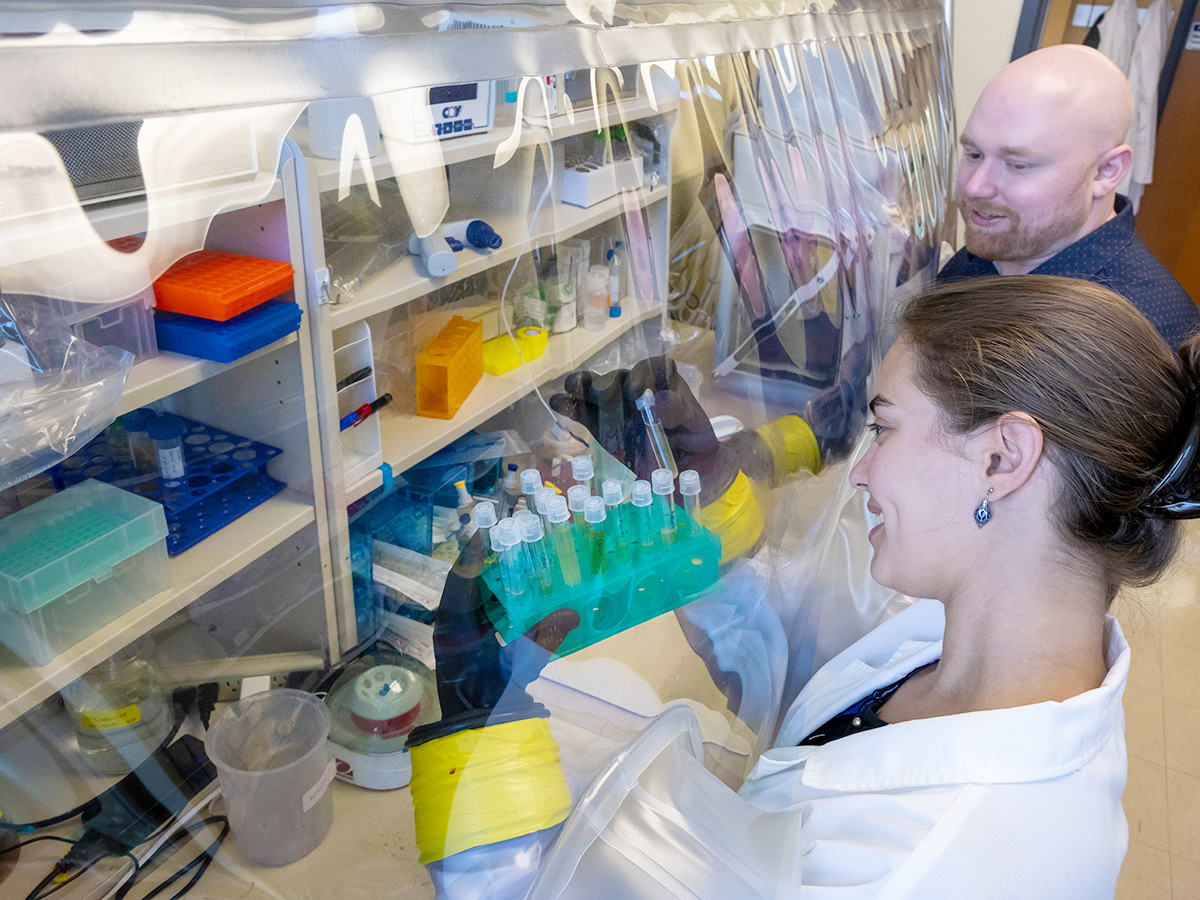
660,578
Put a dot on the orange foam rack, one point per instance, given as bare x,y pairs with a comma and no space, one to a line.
214,285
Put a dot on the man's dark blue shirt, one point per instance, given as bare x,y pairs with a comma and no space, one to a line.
1114,256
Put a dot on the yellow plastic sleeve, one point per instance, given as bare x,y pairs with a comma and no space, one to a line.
793,445
736,518
485,785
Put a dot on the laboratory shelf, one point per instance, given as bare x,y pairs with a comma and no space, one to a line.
167,373
407,439
479,146
119,218
404,280
193,574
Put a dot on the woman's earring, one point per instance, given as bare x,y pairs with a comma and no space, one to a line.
983,513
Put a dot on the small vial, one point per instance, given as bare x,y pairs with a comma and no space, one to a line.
584,473
166,431
664,493
689,486
118,443
541,499
535,552
485,519
643,521
655,433
595,301
141,448
576,496
510,491
506,539
594,516
531,481
562,542
618,528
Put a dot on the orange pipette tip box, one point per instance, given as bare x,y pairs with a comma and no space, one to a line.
213,285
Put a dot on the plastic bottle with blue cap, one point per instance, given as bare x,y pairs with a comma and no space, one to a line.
166,432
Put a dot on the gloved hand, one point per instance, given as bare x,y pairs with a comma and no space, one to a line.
480,682
607,406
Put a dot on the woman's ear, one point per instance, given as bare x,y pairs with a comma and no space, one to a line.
1013,448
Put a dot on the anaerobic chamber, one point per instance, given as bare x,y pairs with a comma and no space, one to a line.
345,346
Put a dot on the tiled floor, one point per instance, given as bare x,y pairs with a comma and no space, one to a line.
1162,730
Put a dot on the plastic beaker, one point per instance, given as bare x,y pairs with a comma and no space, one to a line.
274,768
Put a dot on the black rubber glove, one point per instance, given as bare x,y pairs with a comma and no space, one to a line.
479,681
607,405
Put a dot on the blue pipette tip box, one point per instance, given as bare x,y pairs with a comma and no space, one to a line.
230,340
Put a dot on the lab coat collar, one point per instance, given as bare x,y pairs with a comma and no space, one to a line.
1027,743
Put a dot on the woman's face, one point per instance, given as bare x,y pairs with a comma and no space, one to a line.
922,487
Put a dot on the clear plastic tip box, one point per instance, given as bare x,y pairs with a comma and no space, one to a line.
72,563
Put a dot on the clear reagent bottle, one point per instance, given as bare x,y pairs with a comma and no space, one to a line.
166,431
618,528
594,516
689,487
643,521
663,484
562,541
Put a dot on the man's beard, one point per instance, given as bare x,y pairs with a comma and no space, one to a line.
1018,243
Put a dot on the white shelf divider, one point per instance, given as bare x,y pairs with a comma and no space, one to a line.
407,439
193,573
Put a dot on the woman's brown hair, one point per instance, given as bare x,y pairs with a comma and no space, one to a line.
1113,402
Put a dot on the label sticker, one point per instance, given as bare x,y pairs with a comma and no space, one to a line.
110,719
317,791
1193,38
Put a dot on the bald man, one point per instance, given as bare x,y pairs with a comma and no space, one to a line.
1042,153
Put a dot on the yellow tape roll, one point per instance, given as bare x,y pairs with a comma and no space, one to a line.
484,785
793,446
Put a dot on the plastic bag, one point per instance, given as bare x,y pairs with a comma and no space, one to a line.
57,392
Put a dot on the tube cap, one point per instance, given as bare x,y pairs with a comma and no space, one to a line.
641,492
135,420
531,480
165,427
577,494
582,468
612,492
485,514
594,511
505,535
646,404
557,509
531,529
541,498
662,481
689,482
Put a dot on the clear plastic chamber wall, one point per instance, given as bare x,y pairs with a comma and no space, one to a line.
302,284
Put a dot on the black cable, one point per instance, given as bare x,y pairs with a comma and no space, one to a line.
200,863
46,837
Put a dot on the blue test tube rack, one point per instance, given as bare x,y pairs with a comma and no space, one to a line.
660,578
225,476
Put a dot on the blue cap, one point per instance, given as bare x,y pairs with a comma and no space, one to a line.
165,427
137,419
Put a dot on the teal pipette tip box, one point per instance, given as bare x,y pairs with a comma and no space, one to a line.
658,579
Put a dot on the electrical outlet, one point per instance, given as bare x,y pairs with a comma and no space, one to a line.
229,689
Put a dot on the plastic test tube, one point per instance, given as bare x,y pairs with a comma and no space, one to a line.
535,552
506,539
140,446
689,486
485,518
166,431
643,523
654,431
663,484
577,494
561,540
594,515
584,473
531,480
618,529
541,499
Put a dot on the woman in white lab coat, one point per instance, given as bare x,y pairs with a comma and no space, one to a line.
1035,441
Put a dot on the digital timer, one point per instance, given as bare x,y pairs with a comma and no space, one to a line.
437,113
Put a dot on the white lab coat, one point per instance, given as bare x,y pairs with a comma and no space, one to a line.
1022,802
1149,52
1118,32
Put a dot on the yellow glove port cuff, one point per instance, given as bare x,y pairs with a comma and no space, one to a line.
485,785
793,446
736,518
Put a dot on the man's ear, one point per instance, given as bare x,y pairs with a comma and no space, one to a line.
1111,169
1013,447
